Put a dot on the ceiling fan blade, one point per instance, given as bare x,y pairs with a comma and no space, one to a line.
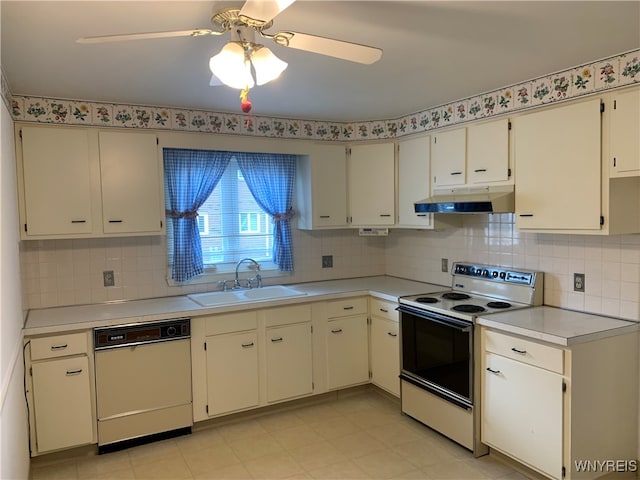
142,36
263,10
353,52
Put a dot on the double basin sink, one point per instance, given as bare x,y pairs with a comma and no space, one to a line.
234,297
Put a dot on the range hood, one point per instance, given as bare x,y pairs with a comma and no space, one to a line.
469,200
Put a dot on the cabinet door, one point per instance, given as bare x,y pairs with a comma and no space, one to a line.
62,403
289,360
522,413
347,352
413,180
131,183
385,354
57,181
448,158
372,184
232,372
625,140
322,188
558,168
488,152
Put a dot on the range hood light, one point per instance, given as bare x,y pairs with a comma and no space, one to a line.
469,200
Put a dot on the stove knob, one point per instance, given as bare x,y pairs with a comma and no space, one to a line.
503,275
494,274
485,273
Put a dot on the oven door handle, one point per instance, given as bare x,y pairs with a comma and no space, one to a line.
459,325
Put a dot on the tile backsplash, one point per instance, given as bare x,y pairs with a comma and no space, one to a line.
69,272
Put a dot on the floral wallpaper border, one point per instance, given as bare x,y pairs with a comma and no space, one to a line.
609,73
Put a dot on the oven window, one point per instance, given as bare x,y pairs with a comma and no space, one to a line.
437,354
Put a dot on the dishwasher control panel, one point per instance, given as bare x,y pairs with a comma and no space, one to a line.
139,333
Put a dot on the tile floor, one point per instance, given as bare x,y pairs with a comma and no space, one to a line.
361,435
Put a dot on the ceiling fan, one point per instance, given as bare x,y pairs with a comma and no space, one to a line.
257,61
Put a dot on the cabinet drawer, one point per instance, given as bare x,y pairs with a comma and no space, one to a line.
346,307
58,346
525,351
384,309
233,322
287,315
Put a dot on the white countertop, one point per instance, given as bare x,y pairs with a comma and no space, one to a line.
64,319
558,326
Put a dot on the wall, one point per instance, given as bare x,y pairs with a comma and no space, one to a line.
611,263
14,456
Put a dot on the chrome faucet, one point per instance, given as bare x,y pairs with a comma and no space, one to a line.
258,278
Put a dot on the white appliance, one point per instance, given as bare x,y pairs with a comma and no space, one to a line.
438,369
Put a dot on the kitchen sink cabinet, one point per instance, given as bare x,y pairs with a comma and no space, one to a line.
322,188
385,345
82,183
624,149
371,184
60,393
549,406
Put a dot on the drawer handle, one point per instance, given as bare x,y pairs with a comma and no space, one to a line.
248,345
495,372
337,330
73,372
521,352
347,308
276,340
384,310
58,347
421,215
392,334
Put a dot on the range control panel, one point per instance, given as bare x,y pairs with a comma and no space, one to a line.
498,274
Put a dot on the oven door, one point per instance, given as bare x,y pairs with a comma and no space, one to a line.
437,354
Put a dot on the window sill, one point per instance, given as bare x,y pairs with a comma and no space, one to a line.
268,270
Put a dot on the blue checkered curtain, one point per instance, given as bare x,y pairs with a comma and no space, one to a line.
189,176
271,178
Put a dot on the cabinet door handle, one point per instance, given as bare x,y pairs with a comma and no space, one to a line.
385,214
521,352
347,308
115,221
248,345
526,215
480,170
58,347
277,339
421,215
496,372
456,173
392,334
325,216
384,310
74,372
337,330
78,221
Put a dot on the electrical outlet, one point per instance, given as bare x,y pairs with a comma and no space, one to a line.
445,265
108,278
327,261
578,282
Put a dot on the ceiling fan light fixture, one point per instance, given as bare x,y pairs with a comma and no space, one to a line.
231,66
267,66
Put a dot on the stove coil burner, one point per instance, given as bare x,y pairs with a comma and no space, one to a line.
427,300
456,296
498,304
468,308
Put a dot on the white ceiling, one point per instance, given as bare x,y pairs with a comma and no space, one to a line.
434,52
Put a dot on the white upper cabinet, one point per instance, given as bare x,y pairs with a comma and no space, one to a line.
413,181
80,182
322,188
488,152
130,173
624,149
448,158
371,170
57,186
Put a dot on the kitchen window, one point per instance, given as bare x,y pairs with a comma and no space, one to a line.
226,206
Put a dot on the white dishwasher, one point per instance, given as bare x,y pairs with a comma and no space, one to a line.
143,382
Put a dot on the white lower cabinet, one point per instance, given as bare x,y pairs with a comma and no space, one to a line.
60,393
232,372
553,407
385,346
289,361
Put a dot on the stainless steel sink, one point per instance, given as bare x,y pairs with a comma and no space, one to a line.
274,292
